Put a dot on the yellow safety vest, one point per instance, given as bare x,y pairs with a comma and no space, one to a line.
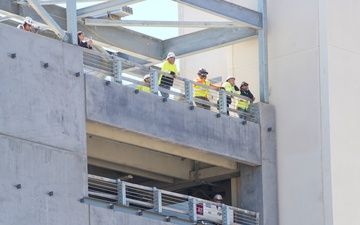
242,103
144,88
200,91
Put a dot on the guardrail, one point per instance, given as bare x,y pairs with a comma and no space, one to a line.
169,204
125,72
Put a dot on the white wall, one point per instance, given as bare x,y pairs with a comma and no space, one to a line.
314,83
344,67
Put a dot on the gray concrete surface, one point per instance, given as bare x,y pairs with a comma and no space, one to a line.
43,113
171,121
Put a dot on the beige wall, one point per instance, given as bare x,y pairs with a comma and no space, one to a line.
314,83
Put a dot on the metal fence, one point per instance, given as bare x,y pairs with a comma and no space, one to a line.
147,199
115,69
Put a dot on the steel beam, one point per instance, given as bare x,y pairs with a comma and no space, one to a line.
206,40
263,55
147,23
104,7
49,20
227,10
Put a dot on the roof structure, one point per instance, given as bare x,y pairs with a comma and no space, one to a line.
102,21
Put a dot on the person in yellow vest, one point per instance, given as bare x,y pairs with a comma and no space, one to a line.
169,67
229,87
145,87
201,92
243,105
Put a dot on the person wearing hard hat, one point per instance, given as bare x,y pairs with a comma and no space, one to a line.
218,198
202,92
169,67
243,104
27,25
145,87
229,86
81,42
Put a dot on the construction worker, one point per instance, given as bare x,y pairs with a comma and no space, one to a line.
145,87
169,66
229,87
243,105
201,92
218,198
27,25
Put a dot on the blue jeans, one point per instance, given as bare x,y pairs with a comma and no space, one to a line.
164,94
242,110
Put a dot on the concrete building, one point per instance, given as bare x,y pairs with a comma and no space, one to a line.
57,123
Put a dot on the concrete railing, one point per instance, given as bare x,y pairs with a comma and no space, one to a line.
115,69
166,203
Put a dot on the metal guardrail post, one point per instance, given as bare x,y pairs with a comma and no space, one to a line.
192,209
225,214
121,189
117,70
154,78
189,92
257,218
157,201
222,101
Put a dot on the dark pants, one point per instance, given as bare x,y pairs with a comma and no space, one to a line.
200,105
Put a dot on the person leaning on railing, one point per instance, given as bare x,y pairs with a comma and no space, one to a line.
145,87
169,66
81,42
201,92
229,87
243,105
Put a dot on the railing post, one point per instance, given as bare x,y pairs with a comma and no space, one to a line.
121,189
222,101
117,70
192,209
225,214
157,200
154,78
189,92
257,218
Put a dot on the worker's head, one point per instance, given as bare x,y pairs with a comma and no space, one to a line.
80,35
244,86
147,78
231,80
27,23
171,57
217,198
202,73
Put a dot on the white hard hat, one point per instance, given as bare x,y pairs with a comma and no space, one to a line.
218,197
230,77
171,54
146,76
28,20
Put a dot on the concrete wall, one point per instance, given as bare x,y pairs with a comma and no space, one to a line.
42,131
171,121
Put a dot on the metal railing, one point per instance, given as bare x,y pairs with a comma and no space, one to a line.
125,72
147,199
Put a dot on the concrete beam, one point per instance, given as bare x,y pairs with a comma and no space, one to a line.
130,170
112,133
137,157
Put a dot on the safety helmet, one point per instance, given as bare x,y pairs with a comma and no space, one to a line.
171,54
218,197
230,77
202,72
146,76
28,20
244,83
